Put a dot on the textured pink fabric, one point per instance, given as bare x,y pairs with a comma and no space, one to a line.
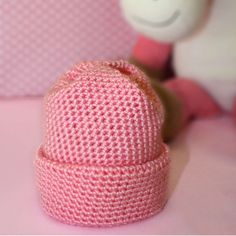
152,53
196,102
40,39
102,161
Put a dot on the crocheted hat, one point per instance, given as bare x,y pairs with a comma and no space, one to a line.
102,161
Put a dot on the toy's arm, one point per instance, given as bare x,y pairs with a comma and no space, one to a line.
151,57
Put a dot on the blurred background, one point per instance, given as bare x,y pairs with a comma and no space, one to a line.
40,40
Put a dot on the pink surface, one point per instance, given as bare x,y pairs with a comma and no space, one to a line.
202,184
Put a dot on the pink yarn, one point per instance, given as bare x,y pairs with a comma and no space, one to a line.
102,162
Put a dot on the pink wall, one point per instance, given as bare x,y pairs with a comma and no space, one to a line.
41,39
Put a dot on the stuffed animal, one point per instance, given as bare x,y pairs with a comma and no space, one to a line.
200,37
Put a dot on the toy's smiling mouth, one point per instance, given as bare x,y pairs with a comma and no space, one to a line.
164,23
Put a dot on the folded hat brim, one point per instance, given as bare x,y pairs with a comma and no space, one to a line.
102,196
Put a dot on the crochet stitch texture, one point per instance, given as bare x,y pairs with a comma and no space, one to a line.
102,161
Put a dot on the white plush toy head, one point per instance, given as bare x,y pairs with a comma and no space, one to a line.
165,20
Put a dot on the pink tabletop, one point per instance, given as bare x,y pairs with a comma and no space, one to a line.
202,183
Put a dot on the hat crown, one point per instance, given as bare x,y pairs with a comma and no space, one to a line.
103,113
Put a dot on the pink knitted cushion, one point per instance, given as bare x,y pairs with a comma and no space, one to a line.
102,162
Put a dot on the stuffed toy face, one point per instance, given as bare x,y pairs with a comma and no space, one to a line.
165,20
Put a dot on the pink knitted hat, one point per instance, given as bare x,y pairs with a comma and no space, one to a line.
102,162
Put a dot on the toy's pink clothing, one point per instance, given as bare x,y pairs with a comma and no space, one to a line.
234,110
152,53
196,102
103,161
